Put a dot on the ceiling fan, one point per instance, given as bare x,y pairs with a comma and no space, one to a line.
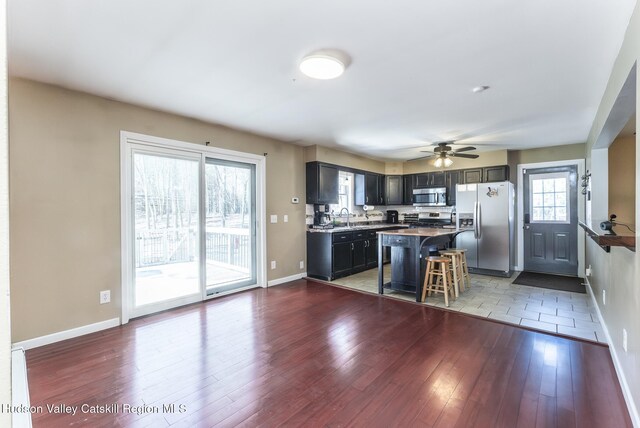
443,152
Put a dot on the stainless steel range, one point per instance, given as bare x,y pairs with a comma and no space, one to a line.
428,219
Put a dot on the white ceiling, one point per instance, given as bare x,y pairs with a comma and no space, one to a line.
413,66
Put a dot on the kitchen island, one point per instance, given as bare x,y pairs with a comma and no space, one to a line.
408,248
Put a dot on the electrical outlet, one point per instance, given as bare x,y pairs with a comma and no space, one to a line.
105,296
624,339
604,297
285,218
588,271
273,264
295,200
301,264
274,218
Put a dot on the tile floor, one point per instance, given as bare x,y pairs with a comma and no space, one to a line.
570,314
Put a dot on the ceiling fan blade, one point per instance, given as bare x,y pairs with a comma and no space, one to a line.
421,157
462,155
424,151
464,149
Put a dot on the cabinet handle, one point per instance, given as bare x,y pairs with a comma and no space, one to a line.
366,198
352,246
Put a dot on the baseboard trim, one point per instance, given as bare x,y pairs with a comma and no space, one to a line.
290,278
626,391
66,334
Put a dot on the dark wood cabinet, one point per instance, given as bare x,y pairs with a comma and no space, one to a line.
382,191
430,179
394,190
438,178
472,175
452,178
322,183
371,248
359,255
496,173
341,257
407,193
369,189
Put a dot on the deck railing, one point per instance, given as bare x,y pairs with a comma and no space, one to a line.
227,246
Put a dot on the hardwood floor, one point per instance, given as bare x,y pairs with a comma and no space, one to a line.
309,354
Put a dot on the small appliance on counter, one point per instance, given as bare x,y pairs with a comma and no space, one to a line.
321,217
392,216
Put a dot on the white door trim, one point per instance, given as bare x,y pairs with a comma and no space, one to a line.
130,139
520,201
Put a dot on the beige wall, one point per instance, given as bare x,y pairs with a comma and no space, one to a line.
497,157
622,182
338,157
65,200
544,154
5,327
619,271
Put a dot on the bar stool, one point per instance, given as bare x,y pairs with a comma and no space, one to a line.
437,278
457,271
465,268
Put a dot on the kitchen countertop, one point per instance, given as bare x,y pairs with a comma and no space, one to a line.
356,228
420,231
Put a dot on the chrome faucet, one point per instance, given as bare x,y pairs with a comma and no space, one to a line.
348,215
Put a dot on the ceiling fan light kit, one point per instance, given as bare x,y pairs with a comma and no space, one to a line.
445,152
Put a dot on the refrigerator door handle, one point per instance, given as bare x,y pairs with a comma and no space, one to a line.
475,220
479,223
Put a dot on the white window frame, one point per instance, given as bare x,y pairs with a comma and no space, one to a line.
130,142
545,176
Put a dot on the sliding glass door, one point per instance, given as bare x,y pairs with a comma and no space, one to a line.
190,222
166,229
230,225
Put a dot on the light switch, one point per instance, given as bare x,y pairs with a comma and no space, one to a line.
274,218
285,218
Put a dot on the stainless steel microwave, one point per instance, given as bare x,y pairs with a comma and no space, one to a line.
431,197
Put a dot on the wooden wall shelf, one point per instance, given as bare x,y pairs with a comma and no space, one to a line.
606,241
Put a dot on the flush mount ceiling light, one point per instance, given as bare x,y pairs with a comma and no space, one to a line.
324,64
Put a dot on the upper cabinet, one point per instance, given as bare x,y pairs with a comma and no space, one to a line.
322,183
394,190
452,178
369,189
430,179
473,175
496,173
408,182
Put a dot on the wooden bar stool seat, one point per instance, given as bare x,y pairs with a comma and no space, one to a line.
465,269
437,278
457,272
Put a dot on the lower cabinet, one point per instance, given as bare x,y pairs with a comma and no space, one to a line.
339,254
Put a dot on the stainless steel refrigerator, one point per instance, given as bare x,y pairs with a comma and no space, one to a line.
485,215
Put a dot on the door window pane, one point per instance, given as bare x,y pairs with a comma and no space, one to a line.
166,228
549,197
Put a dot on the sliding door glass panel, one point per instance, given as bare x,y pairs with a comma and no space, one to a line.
230,225
166,228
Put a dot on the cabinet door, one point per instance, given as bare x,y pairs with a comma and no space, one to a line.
328,179
359,189
381,190
341,255
422,180
372,253
407,194
496,173
472,175
371,194
452,179
394,190
359,255
437,178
